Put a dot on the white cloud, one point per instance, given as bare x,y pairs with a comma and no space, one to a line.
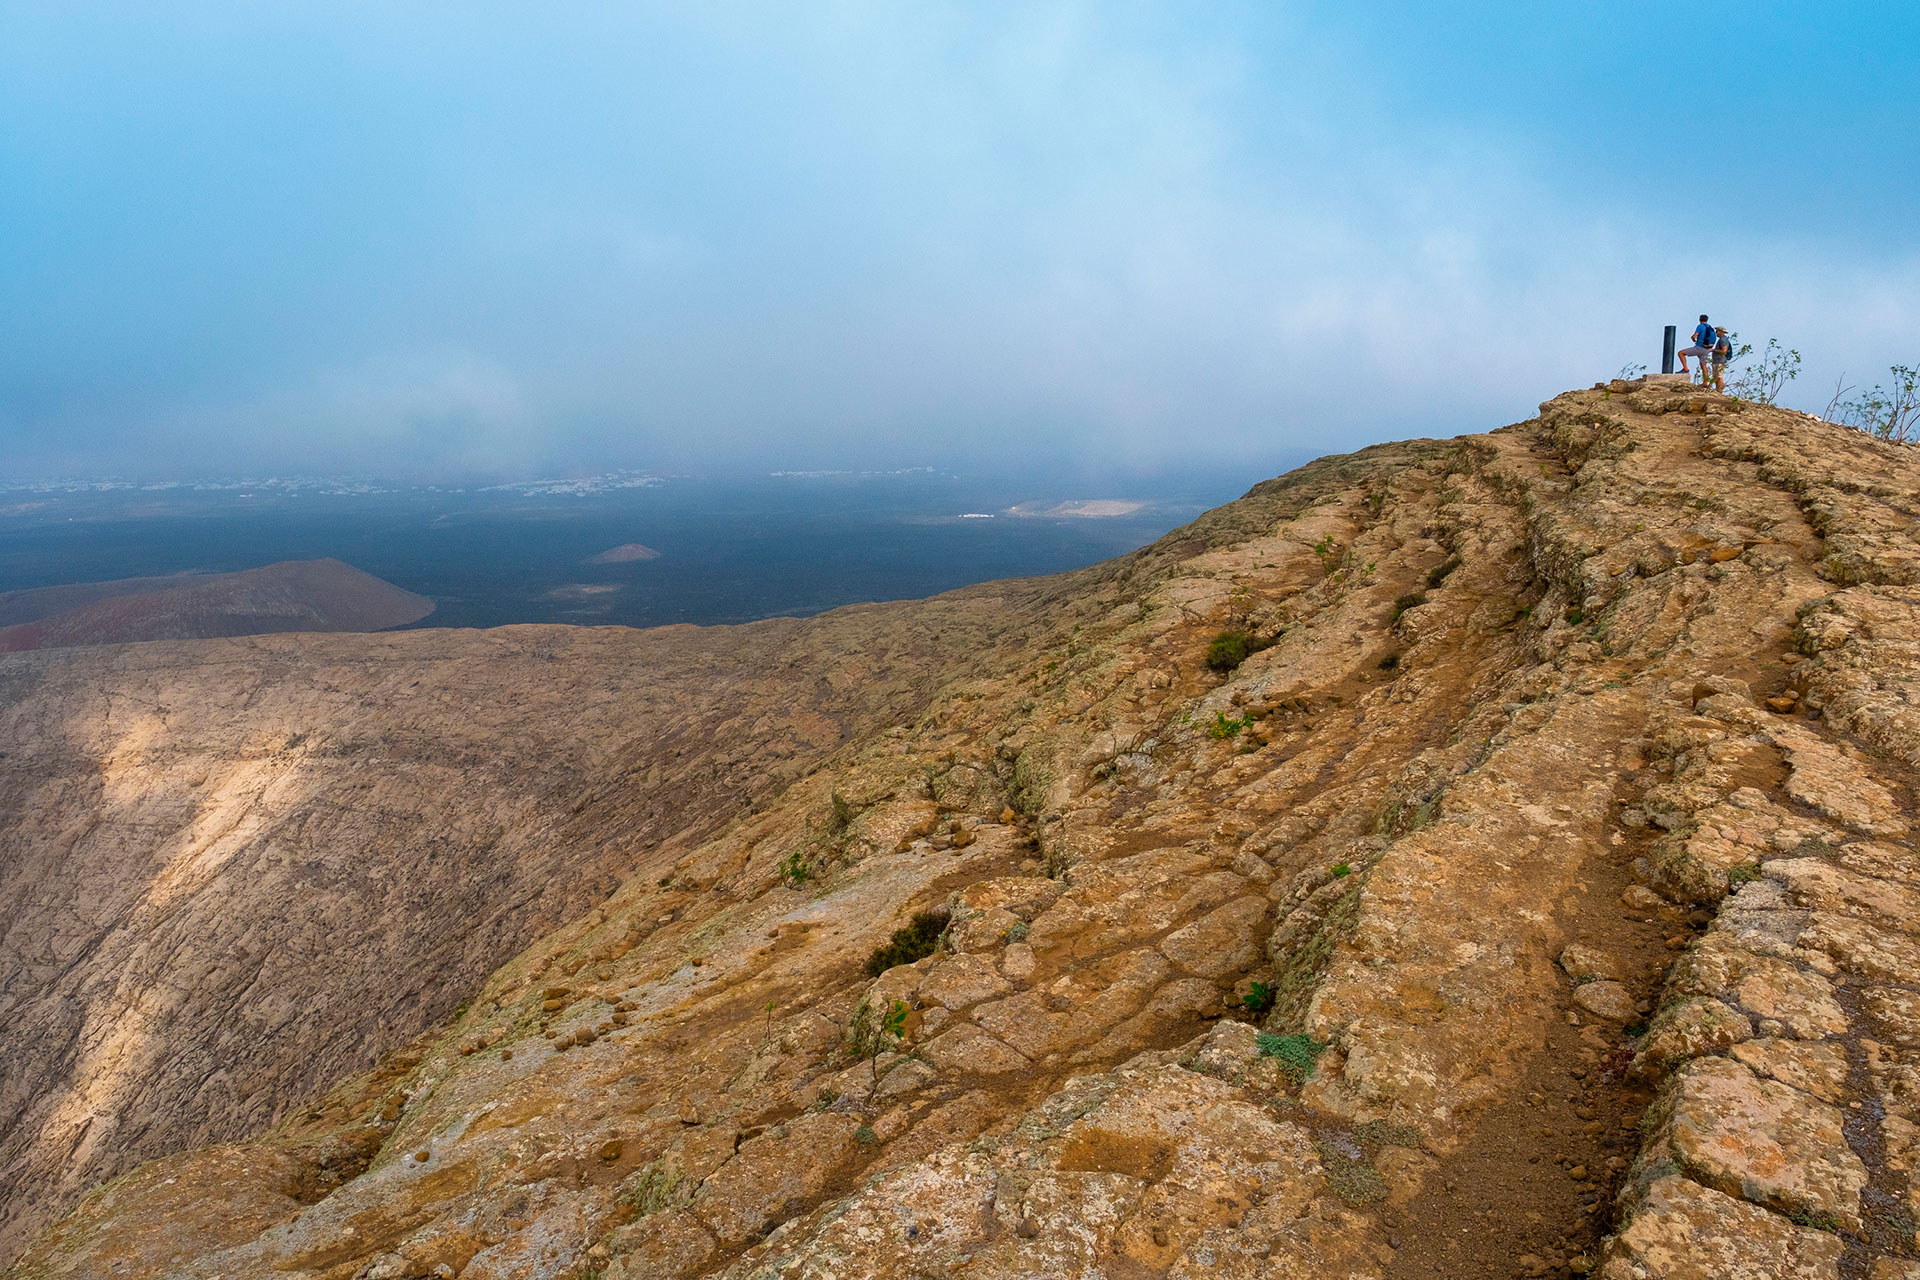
667,235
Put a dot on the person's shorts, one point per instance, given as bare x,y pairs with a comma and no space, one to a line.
1704,353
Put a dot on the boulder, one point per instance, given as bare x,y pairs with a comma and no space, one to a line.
1227,940
1816,1067
1609,1000
1583,964
967,1048
1690,1028
746,1195
1681,1230
1760,1140
960,981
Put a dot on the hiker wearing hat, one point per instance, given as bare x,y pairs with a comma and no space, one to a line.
1722,353
1702,347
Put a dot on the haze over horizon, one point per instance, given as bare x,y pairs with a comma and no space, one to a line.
449,242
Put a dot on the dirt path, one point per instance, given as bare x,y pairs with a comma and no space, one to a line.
1529,1190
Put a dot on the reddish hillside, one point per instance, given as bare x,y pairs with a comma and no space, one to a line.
294,595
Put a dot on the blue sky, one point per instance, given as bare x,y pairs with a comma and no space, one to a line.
449,240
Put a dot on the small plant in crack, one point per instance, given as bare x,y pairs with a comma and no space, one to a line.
874,1030
1817,1219
1225,726
1440,572
1349,1174
839,816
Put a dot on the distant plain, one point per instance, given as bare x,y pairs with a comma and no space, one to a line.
729,551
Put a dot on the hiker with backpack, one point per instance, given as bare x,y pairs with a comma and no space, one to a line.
1722,353
1702,348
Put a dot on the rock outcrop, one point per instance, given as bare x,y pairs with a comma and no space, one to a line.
1537,898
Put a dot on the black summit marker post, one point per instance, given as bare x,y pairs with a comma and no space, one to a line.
1666,349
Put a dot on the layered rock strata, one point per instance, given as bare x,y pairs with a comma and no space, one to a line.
1534,900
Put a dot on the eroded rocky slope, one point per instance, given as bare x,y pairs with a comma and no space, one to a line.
1539,901
233,871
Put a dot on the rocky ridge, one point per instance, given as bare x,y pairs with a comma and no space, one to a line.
1536,899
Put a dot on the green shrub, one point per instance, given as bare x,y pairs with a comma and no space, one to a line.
795,870
1259,998
1341,869
1232,647
1295,1053
921,938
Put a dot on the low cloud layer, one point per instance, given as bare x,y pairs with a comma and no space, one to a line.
466,241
